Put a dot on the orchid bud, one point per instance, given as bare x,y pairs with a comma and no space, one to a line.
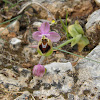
39,70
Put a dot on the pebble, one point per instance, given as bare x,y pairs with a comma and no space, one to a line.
15,43
14,26
37,24
3,31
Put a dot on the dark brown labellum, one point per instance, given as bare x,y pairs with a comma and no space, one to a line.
44,49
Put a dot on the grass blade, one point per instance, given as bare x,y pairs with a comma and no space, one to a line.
78,55
11,19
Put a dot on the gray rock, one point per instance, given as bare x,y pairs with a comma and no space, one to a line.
93,28
37,24
93,19
89,76
15,43
14,81
54,82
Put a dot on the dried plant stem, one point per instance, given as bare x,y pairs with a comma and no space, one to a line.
31,2
41,59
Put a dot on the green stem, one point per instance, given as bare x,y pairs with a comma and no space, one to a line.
65,43
78,55
11,19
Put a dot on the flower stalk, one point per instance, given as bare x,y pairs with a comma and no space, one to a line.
74,39
63,44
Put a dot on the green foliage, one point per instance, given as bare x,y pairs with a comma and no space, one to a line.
64,25
76,32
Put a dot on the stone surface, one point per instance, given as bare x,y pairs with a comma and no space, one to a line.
52,9
14,79
37,24
54,83
97,2
93,28
3,31
14,26
15,43
88,83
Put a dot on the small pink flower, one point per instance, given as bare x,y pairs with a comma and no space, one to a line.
38,70
44,30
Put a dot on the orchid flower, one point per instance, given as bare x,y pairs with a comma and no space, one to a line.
44,31
38,70
45,39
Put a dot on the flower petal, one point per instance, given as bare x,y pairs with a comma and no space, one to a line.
45,27
37,35
54,37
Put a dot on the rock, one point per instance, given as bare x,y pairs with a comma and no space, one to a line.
54,83
15,43
82,9
14,80
52,9
14,27
59,55
3,31
97,2
37,24
88,83
24,96
93,28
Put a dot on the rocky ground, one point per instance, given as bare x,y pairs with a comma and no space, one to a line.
68,77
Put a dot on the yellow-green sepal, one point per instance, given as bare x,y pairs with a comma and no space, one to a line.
45,54
76,40
82,43
78,27
72,31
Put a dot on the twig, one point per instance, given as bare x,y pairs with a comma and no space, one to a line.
32,97
31,2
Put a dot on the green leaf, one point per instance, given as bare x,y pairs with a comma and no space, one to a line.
76,40
63,25
72,31
66,17
78,28
82,43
